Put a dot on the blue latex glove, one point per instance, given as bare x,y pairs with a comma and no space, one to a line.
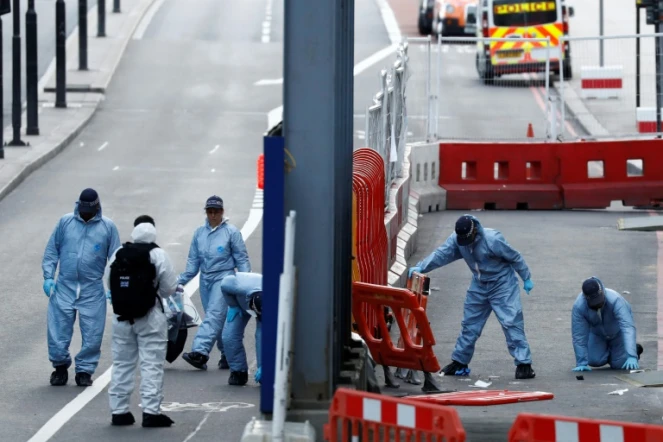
529,285
49,285
258,375
108,296
582,368
631,364
233,312
412,270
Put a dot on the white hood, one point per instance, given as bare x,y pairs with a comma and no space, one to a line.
144,233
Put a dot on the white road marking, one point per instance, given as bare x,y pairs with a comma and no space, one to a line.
267,24
215,149
200,425
103,146
82,144
116,167
147,19
213,170
390,22
268,82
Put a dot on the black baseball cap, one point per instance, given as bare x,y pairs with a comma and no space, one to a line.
594,293
466,230
88,202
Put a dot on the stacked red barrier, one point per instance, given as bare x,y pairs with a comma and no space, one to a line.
569,175
368,183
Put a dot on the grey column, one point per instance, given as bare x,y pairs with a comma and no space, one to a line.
318,123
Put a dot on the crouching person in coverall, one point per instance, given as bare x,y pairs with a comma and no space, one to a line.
603,329
243,293
494,288
141,328
81,243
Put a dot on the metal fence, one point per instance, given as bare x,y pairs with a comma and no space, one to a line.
612,88
387,117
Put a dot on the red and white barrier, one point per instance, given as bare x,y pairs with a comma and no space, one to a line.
646,119
546,428
601,82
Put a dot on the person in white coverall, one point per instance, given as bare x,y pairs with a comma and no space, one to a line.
145,337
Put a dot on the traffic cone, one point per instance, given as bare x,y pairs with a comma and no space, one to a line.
530,131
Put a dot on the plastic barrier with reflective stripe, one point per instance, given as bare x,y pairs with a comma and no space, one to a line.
354,413
547,428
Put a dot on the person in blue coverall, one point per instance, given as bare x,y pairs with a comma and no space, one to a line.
603,330
494,287
243,293
217,249
82,242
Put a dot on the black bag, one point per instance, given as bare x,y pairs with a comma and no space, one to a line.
132,276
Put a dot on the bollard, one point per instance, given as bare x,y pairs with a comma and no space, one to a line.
82,35
60,54
31,73
116,6
101,21
16,76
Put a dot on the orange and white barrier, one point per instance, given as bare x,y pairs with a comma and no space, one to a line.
543,428
646,119
601,82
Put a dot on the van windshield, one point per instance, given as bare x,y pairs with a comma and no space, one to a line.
523,13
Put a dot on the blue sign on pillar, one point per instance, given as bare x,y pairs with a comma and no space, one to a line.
273,234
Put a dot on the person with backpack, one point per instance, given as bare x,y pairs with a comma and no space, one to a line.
217,249
138,276
81,243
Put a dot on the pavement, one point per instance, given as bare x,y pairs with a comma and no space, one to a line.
174,116
562,249
45,42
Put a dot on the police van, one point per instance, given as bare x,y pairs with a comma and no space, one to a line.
517,20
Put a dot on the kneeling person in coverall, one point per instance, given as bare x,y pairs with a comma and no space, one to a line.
603,329
217,249
243,293
82,242
138,274
494,287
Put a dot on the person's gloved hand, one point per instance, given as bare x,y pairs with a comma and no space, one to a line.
258,375
49,285
180,289
412,270
582,368
631,364
529,285
233,312
108,296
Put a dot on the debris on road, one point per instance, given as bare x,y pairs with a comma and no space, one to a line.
618,392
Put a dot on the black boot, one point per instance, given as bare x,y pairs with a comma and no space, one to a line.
83,379
123,419
639,349
456,369
223,363
156,420
196,359
60,376
525,371
238,378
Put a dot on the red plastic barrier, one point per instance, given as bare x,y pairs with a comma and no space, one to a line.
500,176
384,352
371,235
353,413
261,171
482,398
581,191
543,428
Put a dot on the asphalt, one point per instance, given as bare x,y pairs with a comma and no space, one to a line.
562,249
182,90
45,10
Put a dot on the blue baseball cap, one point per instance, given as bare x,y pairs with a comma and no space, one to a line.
214,202
466,230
